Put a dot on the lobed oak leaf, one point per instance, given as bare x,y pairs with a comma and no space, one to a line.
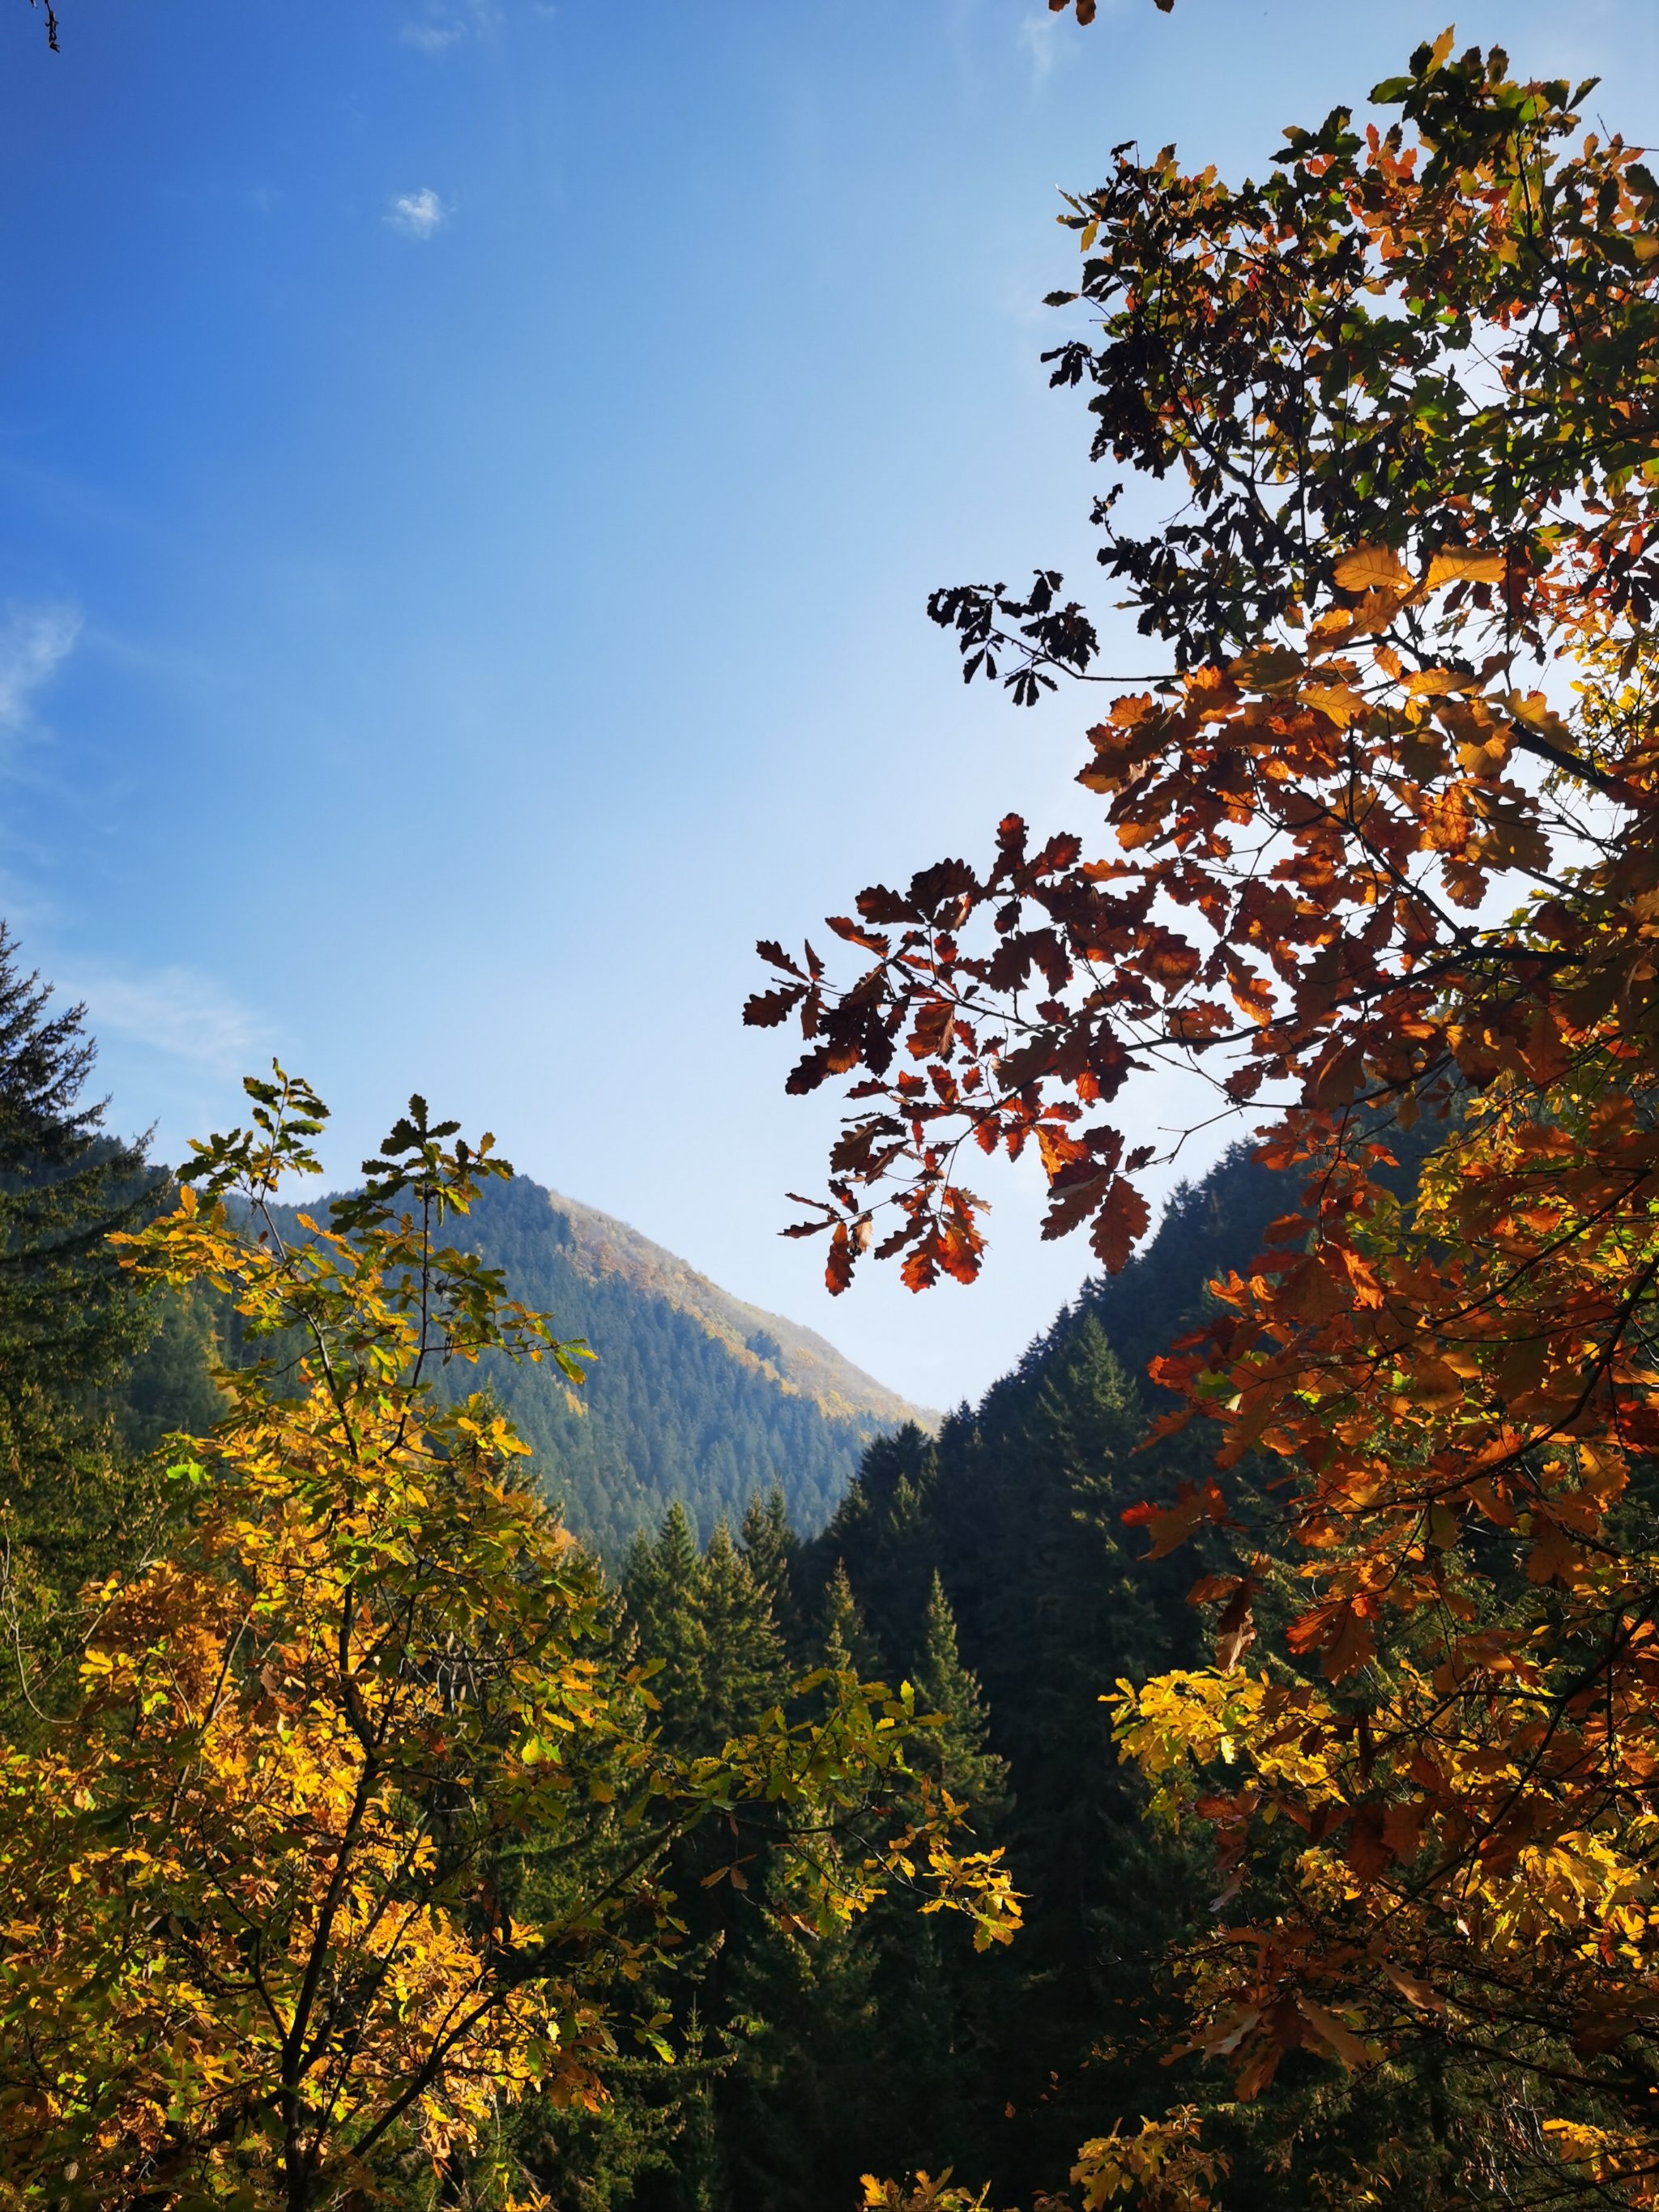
929,1030
1028,1061
906,1233
878,903
1602,2027
1330,2030
1286,1229
1244,1082
943,894
1340,1078
1337,1629
1553,1557
1170,1526
867,939
1402,1829
844,1247
1367,1290
1211,1589
1367,1853
1123,1220
769,949
1336,701
1068,1208
1415,1992
764,1010
1236,1629
1268,668
812,1069
1066,1157
1256,1407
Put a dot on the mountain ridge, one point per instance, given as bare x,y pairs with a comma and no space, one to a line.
695,1395
805,1363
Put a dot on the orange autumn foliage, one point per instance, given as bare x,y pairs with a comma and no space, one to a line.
1383,861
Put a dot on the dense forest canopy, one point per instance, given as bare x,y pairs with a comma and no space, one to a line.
353,1832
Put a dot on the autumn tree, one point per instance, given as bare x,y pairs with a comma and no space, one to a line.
1381,852
357,1834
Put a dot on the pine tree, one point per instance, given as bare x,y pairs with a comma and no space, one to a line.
846,1642
68,1318
958,1755
771,1548
661,1592
170,1388
71,1321
743,1668
881,1529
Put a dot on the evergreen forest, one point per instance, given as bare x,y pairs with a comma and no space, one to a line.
693,1397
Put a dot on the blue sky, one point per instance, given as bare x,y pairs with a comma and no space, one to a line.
470,472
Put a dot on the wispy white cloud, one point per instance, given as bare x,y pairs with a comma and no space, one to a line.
177,1012
417,215
1039,35
432,37
445,23
35,643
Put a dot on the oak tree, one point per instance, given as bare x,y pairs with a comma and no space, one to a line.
1380,850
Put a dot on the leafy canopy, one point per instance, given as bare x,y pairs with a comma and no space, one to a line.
1383,846
272,1932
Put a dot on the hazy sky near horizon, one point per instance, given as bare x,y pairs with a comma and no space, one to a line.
470,473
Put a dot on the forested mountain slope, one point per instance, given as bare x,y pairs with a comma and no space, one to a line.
1016,1506
695,1395
802,1361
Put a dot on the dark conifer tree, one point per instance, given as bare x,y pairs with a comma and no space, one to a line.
71,1321
959,1754
68,1318
845,1641
744,1670
770,1544
882,1531
170,1388
661,1592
